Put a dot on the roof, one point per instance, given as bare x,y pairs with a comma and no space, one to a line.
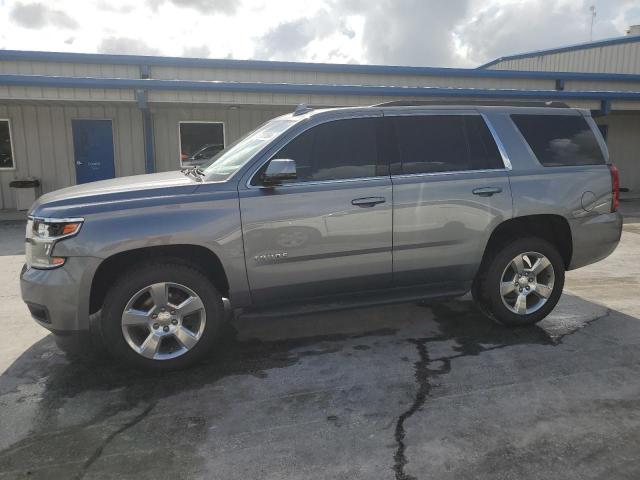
568,48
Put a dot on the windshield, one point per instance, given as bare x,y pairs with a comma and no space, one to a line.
231,159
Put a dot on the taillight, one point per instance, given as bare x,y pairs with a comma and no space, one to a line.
615,188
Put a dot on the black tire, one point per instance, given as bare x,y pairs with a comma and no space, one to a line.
486,291
139,277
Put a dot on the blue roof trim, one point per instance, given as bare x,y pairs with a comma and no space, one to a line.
95,58
310,89
568,48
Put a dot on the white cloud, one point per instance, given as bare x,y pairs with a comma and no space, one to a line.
410,32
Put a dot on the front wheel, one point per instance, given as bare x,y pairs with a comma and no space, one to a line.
161,316
523,282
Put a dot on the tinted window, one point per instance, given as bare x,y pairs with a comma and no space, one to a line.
445,143
335,150
6,155
560,140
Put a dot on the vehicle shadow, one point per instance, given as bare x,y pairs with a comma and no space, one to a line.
60,415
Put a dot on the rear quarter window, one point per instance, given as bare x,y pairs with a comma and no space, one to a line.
560,140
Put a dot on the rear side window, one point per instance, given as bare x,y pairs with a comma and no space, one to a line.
336,150
444,143
560,140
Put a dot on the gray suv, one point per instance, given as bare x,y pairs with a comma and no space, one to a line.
326,209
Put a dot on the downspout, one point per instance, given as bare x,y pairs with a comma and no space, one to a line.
147,123
605,109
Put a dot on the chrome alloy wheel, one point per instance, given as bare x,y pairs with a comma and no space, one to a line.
163,321
527,283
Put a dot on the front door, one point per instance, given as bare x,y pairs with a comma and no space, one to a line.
330,230
93,150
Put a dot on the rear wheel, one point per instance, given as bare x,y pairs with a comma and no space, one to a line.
522,283
161,316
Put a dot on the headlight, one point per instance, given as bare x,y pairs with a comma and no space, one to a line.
41,236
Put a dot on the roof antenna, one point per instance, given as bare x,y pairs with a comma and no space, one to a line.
592,9
301,108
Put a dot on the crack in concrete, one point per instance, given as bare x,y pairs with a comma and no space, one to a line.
98,451
423,373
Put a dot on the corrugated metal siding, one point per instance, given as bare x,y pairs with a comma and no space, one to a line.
621,58
43,143
69,69
623,140
328,78
67,94
236,123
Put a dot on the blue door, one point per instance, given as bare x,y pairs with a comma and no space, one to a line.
93,147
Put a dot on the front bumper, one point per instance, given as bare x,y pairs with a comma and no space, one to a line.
594,238
59,298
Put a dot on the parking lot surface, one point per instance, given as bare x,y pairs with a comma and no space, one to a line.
403,391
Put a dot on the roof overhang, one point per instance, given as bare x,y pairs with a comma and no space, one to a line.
319,89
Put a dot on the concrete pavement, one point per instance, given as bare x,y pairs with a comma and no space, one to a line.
403,391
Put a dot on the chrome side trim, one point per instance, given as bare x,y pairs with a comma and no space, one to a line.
496,138
322,182
56,220
454,172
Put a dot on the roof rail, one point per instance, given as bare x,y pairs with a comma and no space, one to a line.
491,103
302,108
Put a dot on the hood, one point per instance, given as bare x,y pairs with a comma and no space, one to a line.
111,192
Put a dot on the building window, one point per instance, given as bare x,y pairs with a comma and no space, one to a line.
199,141
6,147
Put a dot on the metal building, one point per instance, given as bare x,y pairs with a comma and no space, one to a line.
614,55
67,118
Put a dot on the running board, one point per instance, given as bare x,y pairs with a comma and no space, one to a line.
361,300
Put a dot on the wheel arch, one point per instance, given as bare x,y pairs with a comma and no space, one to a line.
194,255
553,228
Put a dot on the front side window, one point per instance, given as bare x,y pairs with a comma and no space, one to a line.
6,152
199,142
560,140
444,143
336,150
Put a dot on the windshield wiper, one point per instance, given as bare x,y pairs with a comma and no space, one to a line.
195,172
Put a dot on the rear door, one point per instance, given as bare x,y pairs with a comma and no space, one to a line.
450,190
329,231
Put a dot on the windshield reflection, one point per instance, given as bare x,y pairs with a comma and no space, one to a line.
231,159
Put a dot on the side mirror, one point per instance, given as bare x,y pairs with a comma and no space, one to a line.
279,170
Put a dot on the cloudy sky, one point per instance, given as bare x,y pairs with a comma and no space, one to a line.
455,33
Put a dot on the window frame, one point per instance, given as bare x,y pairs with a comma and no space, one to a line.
180,122
255,169
506,162
13,151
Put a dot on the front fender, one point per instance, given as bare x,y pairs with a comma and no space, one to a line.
209,220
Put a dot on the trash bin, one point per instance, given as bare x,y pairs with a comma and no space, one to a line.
26,190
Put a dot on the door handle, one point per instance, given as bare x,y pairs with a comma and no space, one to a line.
367,201
486,191
78,162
